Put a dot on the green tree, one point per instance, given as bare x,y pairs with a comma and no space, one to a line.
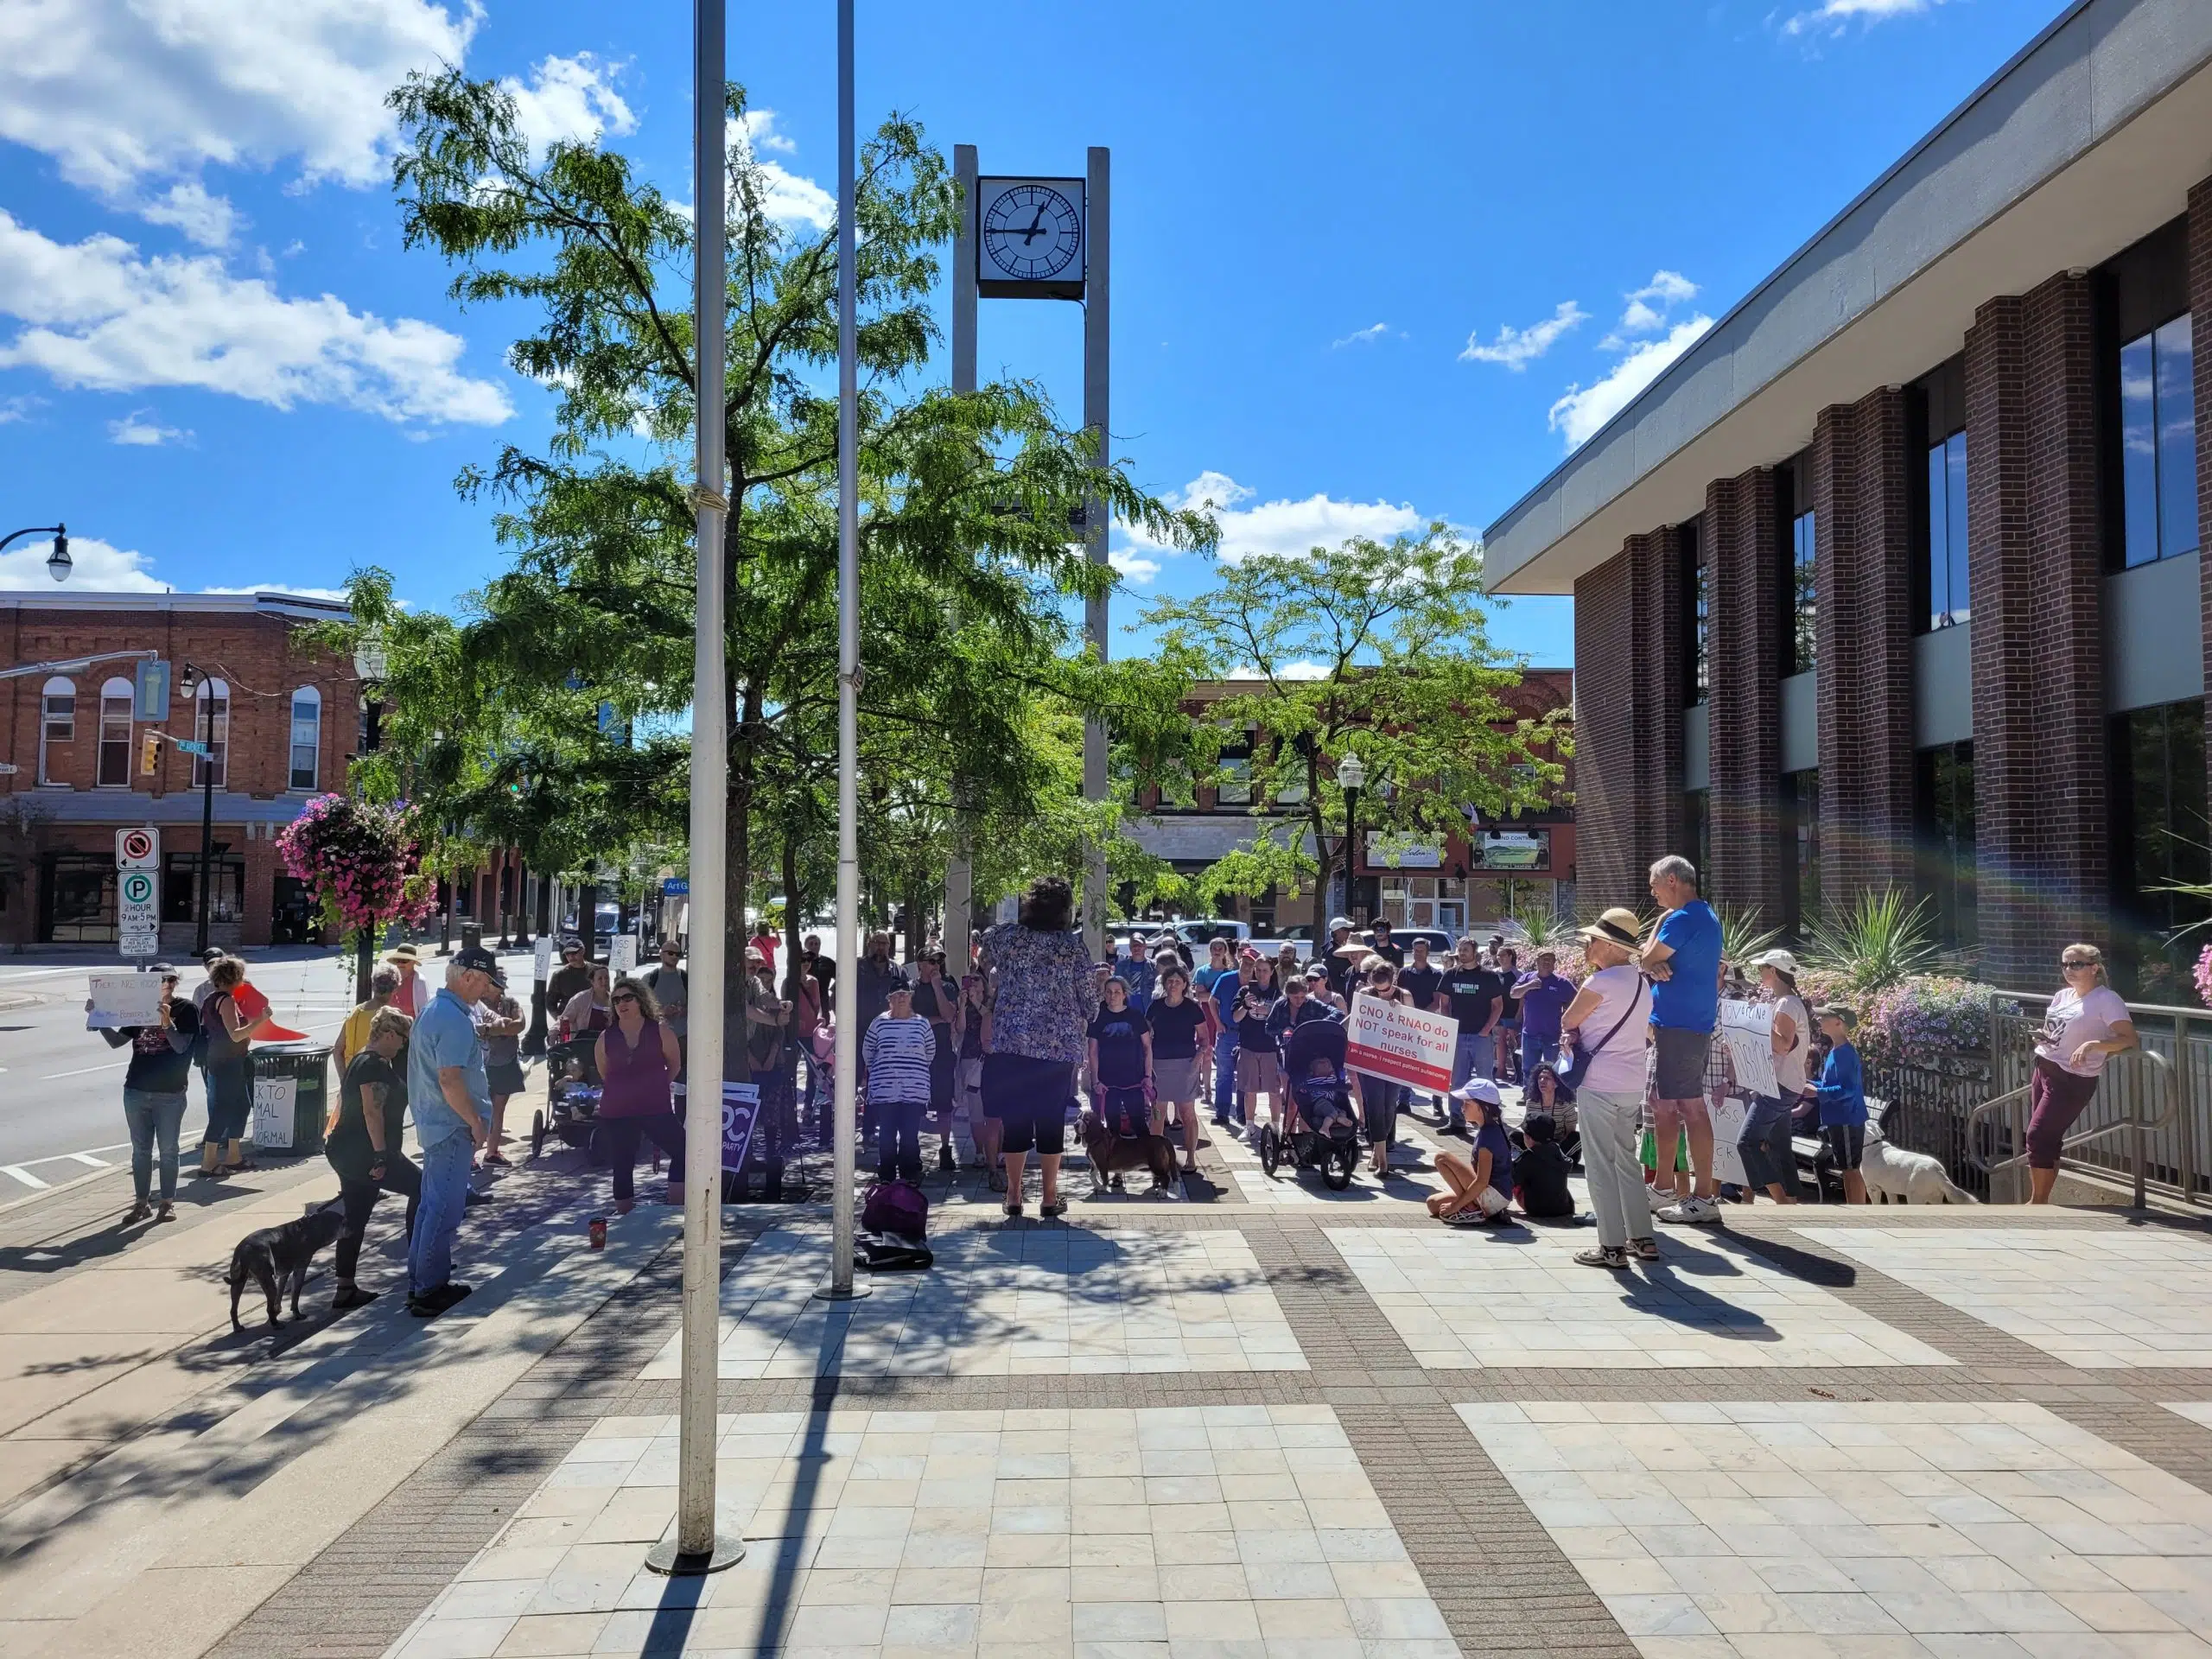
966,498
1377,648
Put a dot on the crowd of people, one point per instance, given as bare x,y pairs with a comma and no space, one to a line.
1617,1073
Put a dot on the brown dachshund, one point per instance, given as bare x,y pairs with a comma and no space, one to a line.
1111,1155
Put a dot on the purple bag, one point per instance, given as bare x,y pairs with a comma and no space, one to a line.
896,1207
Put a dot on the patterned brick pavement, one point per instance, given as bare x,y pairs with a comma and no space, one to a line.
1500,1577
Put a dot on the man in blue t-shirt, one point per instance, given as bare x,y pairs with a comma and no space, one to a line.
1217,984
1683,960
448,1088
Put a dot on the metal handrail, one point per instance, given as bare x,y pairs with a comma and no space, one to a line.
2134,1122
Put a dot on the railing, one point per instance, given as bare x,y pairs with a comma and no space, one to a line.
1927,1109
2122,1092
2177,1141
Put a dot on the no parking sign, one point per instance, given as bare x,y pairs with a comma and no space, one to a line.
137,892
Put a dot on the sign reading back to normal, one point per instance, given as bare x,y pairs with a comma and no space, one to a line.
1408,1045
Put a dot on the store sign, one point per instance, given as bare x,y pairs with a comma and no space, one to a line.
1511,849
1399,850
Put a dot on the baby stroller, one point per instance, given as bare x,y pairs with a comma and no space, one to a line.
1327,1135
571,1094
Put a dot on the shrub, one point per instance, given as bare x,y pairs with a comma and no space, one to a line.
1883,941
1924,1021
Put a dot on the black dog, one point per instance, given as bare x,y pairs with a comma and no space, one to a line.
277,1255
1112,1154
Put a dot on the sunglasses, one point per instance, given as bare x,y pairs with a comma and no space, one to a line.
2072,962
623,997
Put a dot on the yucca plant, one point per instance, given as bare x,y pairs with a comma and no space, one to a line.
1742,939
1546,928
1884,940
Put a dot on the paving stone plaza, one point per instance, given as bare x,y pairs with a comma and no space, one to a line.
1322,1426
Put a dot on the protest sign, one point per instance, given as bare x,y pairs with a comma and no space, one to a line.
124,999
1747,1033
621,953
1408,1045
274,1101
741,1110
541,964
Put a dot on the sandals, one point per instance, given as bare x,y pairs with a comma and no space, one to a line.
1013,1210
1643,1250
1054,1210
1605,1255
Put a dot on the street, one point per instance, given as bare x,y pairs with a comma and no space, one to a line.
61,1085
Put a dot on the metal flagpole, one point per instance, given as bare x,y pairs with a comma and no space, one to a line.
696,1549
841,1286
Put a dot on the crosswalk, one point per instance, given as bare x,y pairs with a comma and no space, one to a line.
61,1166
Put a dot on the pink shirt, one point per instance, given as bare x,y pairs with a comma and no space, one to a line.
2074,1019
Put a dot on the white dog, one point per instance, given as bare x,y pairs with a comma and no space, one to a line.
1909,1177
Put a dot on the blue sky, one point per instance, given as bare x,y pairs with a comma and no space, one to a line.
1372,265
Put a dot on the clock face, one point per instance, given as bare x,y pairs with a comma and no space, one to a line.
1031,233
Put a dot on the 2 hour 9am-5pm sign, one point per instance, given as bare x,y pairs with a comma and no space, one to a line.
1408,1045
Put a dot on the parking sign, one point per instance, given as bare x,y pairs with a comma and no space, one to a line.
138,849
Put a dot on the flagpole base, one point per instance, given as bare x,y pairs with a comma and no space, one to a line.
855,1293
671,1562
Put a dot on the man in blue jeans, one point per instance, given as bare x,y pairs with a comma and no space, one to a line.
1218,983
451,1096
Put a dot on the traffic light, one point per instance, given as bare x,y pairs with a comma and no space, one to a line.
150,755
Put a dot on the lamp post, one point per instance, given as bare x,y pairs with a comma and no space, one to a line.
195,683
1351,772
57,562
370,666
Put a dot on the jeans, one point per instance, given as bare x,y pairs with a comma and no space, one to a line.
152,1115
445,1191
1475,1055
898,1126
361,1196
1616,1175
618,1144
1225,1077
1768,1159
1537,1050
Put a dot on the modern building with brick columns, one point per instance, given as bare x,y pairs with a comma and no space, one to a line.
1892,579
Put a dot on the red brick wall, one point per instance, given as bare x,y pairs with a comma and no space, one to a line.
1864,580
2037,576
1743,567
1605,806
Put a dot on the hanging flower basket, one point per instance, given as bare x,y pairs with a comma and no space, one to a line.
354,857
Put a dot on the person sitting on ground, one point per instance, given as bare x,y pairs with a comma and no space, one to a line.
1481,1179
1540,1172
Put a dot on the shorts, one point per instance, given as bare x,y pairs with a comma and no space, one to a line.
1847,1143
505,1077
1258,1073
1681,1057
1030,1097
1647,1153
1175,1078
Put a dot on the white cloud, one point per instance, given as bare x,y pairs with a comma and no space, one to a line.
134,430
1133,567
788,198
572,98
209,220
120,91
101,315
1518,347
1366,336
1287,672
279,587
1282,526
17,409
96,567
1650,308
1584,410
1833,16
760,133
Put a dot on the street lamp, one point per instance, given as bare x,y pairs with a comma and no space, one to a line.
190,683
369,668
1351,772
57,562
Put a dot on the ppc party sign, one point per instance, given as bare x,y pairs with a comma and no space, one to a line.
1408,1045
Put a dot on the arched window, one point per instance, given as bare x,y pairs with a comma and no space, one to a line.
57,724
117,701
307,736
217,760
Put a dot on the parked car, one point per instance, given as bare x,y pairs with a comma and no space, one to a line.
1202,930
607,918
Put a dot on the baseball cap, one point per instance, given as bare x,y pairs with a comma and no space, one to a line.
1337,922
163,970
1481,1089
477,958
1781,961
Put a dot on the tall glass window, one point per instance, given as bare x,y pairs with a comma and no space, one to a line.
1697,618
117,701
1949,600
1801,799
2158,444
57,725
2159,839
1794,506
1943,802
1697,833
307,736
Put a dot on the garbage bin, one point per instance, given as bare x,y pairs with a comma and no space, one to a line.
291,1095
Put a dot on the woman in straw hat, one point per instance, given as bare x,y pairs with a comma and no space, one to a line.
1607,1022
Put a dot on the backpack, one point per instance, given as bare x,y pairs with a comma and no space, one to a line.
897,1208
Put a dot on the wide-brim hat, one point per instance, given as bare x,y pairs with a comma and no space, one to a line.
405,953
1617,926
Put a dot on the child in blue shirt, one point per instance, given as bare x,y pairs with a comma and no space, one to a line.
1843,1101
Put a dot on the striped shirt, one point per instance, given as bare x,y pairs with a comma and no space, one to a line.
897,1055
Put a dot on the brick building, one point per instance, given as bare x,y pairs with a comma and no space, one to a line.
1892,579
1451,882
286,719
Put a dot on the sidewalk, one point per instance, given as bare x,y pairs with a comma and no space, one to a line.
1280,1424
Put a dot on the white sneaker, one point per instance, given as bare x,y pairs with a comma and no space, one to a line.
1695,1212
